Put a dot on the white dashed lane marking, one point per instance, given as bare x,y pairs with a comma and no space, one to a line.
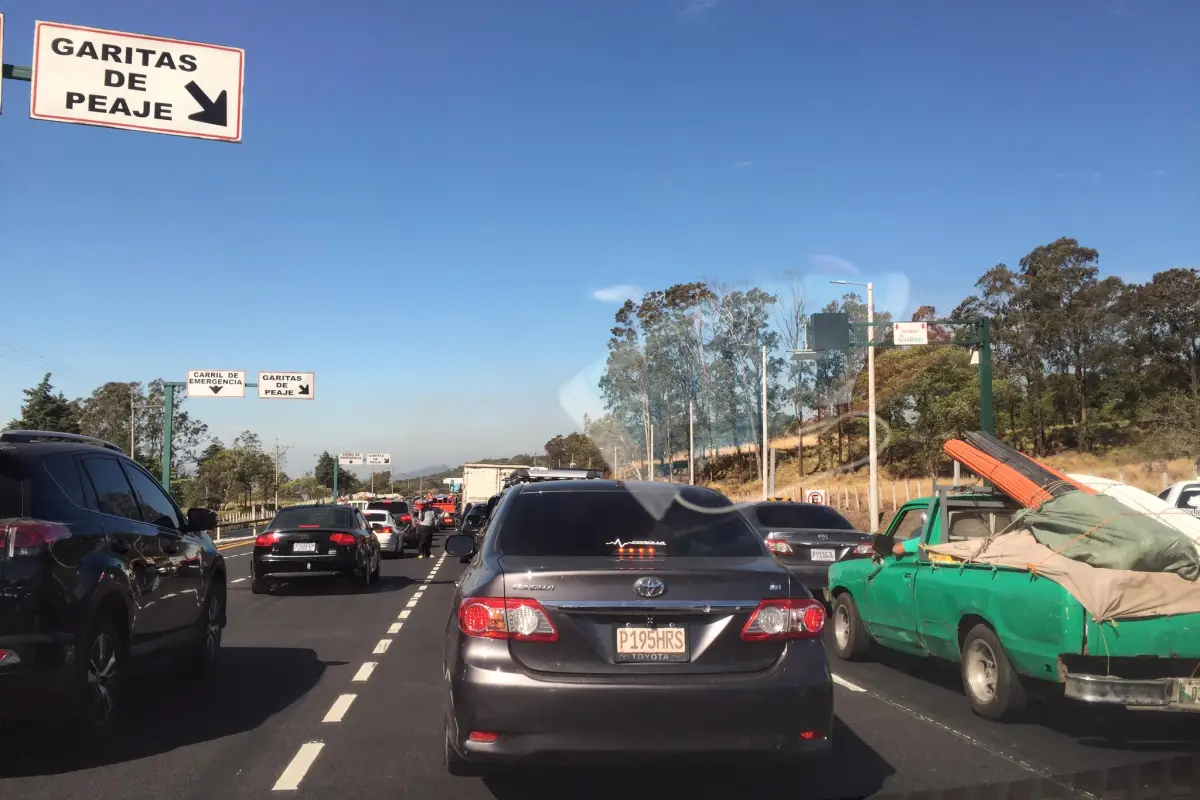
237,580
289,781
339,708
854,687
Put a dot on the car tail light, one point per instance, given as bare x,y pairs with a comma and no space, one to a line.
385,529
267,539
9,658
519,619
406,518
785,619
31,534
864,550
779,548
483,737
344,539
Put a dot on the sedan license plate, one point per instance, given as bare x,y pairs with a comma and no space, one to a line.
823,555
1189,692
304,547
645,644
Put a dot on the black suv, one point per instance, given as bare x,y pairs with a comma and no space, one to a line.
97,566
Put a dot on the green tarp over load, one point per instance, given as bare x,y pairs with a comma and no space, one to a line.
1105,533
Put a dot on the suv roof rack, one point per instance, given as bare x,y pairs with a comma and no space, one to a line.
531,474
20,436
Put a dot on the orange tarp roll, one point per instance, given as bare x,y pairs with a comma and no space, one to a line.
1002,476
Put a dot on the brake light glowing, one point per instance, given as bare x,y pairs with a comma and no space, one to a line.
630,551
267,539
343,539
31,534
483,737
385,529
785,619
406,518
515,618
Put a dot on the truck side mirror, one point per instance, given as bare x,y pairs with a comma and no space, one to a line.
882,544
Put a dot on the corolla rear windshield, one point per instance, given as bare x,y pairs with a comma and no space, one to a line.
309,517
615,523
781,515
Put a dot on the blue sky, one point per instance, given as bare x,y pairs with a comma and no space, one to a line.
433,178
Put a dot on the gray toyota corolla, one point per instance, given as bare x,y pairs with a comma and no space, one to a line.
613,621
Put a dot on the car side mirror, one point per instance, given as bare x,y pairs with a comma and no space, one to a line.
201,519
459,545
882,544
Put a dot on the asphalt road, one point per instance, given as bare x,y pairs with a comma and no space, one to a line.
329,692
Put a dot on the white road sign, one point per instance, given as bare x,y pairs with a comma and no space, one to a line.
287,385
379,459
815,496
93,76
906,333
350,459
216,383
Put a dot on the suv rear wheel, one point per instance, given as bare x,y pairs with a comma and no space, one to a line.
99,676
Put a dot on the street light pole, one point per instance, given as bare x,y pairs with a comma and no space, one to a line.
872,440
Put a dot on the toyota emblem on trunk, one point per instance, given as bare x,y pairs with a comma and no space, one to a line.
649,587
822,536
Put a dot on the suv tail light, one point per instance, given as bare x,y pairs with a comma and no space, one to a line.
30,535
518,619
267,539
774,620
344,539
406,518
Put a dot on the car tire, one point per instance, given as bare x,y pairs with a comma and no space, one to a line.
374,575
100,667
850,639
207,648
258,584
456,765
990,682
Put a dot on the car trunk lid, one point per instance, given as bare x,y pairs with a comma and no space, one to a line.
812,545
691,622
303,541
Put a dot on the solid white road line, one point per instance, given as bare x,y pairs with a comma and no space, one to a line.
339,708
404,614
237,580
289,781
364,672
845,684
394,628
382,647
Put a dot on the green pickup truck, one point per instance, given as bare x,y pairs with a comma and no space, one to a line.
1013,632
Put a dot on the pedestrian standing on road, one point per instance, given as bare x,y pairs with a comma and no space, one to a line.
428,518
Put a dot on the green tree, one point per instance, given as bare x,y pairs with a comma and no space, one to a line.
323,472
574,449
47,410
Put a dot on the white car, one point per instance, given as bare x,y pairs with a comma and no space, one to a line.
389,532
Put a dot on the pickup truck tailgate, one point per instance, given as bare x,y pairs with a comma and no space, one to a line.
1176,636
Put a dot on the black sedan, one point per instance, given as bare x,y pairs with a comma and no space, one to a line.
659,626
313,542
807,538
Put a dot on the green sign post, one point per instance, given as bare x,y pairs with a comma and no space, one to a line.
979,338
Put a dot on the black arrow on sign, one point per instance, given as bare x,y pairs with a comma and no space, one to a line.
303,389
214,112
215,389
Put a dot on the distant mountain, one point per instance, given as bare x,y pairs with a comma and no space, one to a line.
422,472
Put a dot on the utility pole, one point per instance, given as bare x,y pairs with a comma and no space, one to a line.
691,444
133,423
650,453
766,434
278,449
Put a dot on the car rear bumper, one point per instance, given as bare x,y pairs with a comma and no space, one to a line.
784,711
305,566
814,577
388,541
42,672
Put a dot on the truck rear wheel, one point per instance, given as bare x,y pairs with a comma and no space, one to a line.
989,679
850,639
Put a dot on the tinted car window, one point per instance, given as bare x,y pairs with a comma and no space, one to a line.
778,515
63,470
378,516
156,506
397,507
11,504
113,493
602,523
321,517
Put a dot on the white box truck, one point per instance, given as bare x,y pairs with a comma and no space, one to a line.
481,481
